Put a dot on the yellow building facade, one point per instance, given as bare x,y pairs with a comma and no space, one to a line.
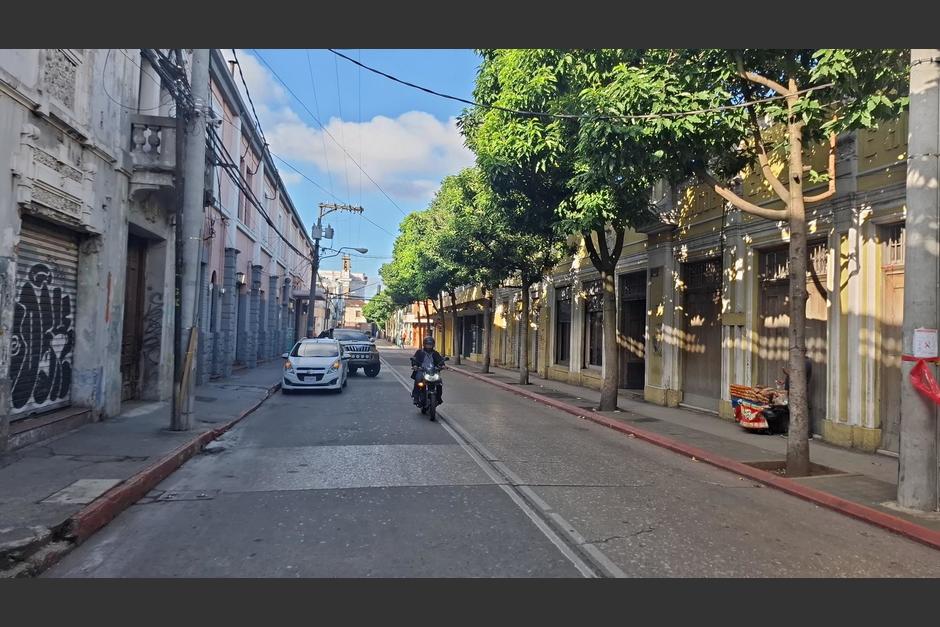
703,301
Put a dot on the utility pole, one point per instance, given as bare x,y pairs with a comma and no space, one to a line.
918,485
189,241
325,208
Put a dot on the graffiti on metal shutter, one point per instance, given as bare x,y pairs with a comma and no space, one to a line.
42,340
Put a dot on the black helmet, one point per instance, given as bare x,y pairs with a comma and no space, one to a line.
429,340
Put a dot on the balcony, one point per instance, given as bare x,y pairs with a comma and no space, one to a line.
153,153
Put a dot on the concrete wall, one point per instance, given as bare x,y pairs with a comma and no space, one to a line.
66,129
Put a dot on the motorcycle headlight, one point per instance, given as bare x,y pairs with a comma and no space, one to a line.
432,377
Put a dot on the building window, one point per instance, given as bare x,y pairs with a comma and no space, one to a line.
563,325
242,199
594,324
893,244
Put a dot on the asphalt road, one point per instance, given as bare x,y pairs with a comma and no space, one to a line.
362,485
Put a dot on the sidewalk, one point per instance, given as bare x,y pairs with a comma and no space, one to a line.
59,491
865,479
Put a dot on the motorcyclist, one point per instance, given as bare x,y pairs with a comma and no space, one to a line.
425,357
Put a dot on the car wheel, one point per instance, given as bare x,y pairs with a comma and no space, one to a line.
372,371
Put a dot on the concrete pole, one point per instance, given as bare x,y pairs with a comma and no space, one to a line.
193,217
917,468
314,268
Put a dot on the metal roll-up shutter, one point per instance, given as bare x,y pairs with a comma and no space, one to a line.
43,336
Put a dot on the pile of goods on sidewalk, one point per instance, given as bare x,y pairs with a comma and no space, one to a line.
760,408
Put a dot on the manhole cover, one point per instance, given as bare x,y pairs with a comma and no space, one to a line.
206,399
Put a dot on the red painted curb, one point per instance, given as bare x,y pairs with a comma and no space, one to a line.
866,514
105,508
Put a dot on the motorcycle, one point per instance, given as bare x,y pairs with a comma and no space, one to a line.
429,388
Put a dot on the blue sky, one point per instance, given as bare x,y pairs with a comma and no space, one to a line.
403,138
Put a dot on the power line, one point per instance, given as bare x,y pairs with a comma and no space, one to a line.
250,101
577,116
253,111
245,189
359,83
104,85
287,163
339,100
267,149
317,120
381,228
316,103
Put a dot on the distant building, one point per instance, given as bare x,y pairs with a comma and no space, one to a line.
347,293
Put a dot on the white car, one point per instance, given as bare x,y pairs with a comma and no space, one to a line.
315,365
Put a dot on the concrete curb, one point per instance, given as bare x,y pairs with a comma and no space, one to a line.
83,524
866,514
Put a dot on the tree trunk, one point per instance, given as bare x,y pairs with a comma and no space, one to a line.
798,437
611,350
487,327
457,338
418,328
524,337
427,320
605,260
440,311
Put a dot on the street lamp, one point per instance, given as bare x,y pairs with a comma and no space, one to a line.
361,251
311,316
317,232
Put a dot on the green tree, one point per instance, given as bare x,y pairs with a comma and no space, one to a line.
379,308
542,165
474,240
515,156
811,94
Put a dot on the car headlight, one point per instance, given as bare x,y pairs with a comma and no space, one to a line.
335,365
288,367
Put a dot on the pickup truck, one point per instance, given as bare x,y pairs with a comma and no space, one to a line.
360,348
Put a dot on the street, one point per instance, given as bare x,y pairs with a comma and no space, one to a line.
362,485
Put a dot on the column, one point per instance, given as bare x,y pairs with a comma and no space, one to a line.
254,309
229,317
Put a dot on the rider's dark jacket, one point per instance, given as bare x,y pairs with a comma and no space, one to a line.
419,356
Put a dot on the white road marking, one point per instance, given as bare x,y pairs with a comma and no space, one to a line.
474,449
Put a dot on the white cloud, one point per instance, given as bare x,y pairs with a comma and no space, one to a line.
262,85
290,178
407,155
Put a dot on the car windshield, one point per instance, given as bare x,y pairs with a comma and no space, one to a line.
347,335
315,349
